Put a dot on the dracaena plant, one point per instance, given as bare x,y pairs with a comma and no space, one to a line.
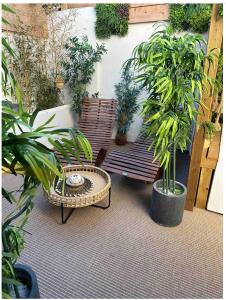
171,70
23,154
126,93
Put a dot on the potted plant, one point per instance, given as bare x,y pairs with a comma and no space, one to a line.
24,155
78,67
59,82
126,93
171,69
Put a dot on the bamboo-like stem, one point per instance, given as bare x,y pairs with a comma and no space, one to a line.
174,167
63,183
163,180
169,166
167,179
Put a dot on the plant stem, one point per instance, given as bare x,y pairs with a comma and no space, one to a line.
163,180
167,179
63,183
174,167
169,167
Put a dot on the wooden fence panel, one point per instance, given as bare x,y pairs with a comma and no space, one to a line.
208,165
32,15
214,42
148,13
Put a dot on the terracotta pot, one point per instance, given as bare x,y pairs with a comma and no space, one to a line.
120,139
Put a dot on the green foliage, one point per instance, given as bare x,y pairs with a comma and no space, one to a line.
47,95
126,93
218,83
51,7
220,10
24,155
195,17
112,19
198,17
208,128
31,70
9,84
177,17
78,67
217,104
171,69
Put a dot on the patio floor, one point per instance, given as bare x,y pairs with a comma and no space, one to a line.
121,252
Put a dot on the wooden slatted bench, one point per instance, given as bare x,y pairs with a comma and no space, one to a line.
96,123
137,163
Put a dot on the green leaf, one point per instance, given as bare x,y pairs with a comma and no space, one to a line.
8,9
33,116
41,176
10,281
46,123
8,196
198,83
8,47
174,130
190,111
153,117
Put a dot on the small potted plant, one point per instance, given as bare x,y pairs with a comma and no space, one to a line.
126,93
59,82
171,69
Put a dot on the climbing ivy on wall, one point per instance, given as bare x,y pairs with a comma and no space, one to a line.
195,17
112,19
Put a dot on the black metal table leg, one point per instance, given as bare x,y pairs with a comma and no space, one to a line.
109,202
64,221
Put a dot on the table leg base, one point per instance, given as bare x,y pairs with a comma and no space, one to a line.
64,220
104,207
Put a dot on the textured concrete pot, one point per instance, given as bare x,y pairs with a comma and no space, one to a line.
167,209
27,276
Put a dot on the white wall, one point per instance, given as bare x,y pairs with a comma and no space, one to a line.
119,50
64,118
84,24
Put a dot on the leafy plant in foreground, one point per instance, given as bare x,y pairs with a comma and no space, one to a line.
24,155
171,69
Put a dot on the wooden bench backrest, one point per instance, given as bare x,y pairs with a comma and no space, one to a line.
97,120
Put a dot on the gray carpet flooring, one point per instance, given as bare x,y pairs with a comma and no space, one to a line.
121,252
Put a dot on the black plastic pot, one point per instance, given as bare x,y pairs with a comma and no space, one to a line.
167,209
120,139
27,276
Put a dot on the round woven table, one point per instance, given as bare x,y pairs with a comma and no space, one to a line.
98,189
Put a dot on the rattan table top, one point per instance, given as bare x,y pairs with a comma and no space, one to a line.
100,185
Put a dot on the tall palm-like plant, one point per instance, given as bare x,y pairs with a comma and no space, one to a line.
23,154
171,69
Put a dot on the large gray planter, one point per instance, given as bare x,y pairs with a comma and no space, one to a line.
167,209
